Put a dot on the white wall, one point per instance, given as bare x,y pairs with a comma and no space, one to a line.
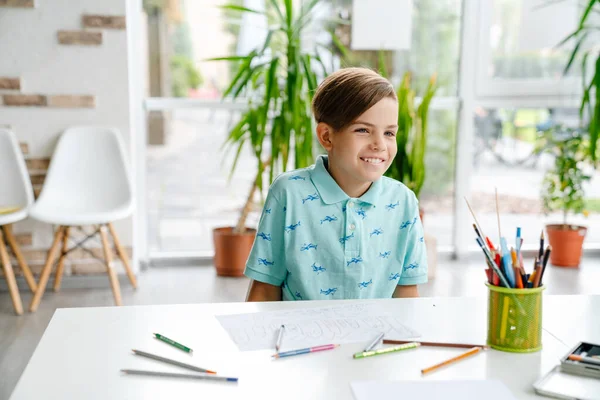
30,50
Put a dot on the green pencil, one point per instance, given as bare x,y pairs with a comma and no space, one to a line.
173,343
363,354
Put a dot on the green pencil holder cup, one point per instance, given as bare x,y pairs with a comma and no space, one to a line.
515,319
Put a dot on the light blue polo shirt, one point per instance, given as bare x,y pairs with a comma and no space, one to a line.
317,243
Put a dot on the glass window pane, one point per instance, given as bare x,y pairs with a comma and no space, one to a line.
522,44
437,195
505,158
435,44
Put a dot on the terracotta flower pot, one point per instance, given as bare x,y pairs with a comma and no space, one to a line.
567,243
232,250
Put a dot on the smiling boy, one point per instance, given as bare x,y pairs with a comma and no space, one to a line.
340,229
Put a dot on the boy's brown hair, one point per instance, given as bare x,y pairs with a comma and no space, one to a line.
347,93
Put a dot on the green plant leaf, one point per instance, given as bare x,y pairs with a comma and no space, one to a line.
235,7
381,64
275,6
230,58
586,13
574,53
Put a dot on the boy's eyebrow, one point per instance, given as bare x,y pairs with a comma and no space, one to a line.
371,125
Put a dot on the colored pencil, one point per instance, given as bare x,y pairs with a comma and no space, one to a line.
452,360
541,252
494,266
173,343
172,362
437,344
387,350
588,360
374,343
305,351
279,338
474,217
174,375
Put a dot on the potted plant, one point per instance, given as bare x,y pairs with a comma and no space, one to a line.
409,165
562,190
277,80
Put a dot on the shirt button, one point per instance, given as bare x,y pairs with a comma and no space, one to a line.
350,204
352,227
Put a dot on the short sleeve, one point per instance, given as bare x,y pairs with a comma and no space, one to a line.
266,262
414,268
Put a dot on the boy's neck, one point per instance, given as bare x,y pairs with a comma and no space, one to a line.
350,186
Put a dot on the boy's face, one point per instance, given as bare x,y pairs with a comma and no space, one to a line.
360,153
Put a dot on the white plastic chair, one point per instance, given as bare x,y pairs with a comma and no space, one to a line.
87,184
16,197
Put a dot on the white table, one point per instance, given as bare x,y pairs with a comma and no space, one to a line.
83,349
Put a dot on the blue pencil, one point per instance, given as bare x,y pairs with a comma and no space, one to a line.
507,263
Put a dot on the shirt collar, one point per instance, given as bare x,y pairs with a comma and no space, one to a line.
330,192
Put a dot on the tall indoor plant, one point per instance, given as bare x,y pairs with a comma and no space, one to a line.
409,165
277,81
583,53
562,190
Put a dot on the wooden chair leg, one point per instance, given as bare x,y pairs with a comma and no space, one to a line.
10,277
123,256
112,274
20,259
61,262
37,297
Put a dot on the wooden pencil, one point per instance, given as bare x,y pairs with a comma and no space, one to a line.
436,344
452,360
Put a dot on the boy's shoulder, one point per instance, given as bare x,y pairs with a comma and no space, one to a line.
291,181
391,188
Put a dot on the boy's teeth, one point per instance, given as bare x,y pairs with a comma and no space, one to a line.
373,160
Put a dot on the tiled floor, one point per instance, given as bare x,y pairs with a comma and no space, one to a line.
176,285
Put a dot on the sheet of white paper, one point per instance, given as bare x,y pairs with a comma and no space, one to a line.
426,390
381,24
307,327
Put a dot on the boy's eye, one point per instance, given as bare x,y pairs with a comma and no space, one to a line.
362,130
390,133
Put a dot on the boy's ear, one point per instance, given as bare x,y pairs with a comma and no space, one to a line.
325,135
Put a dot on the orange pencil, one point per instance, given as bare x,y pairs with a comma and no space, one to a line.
466,354
515,265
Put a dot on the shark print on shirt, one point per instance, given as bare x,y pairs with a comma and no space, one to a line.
354,260
308,246
329,218
311,197
411,266
392,206
318,268
292,227
344,239
264,261
377,231
265,236
365,284
395,276
329,291
296,178
385,254
361,213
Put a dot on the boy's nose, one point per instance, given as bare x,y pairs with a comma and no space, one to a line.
378,144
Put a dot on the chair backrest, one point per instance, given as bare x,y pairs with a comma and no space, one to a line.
88,168
15,185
